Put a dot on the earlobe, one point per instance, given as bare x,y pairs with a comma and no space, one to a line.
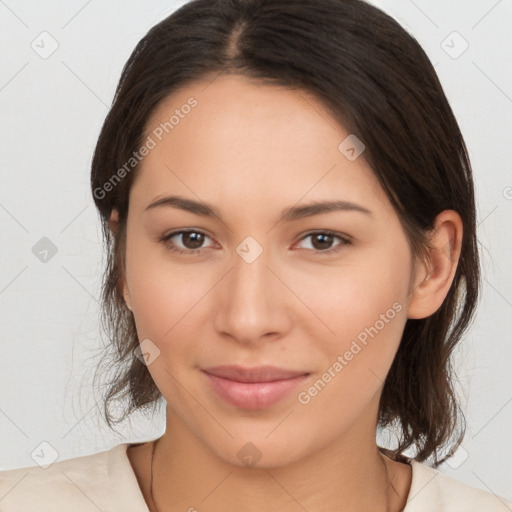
114,221
435,278
126,295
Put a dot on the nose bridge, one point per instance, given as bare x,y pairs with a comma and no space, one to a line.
252,302
250,278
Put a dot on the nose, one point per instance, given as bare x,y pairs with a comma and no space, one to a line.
253,303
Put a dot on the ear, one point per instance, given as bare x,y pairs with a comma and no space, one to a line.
126,295
114,226
434,277
113,221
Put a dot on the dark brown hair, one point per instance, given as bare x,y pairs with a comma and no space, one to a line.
377,81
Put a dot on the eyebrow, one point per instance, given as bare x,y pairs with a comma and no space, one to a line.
288,214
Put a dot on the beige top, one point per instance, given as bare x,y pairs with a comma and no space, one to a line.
106,482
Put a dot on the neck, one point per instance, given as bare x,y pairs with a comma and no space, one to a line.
348,475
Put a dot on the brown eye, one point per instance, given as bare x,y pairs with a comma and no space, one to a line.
192,239
322,241
191,242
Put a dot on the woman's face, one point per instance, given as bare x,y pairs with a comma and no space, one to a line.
257,287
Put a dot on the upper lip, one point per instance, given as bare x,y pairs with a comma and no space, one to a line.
254,374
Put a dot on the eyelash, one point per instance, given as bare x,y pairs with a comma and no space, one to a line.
166,241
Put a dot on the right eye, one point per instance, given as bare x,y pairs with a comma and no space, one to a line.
191,238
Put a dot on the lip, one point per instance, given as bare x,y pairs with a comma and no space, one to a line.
253,388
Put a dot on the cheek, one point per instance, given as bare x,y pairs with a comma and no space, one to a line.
356,295
362,308
163,306
166,298
366,308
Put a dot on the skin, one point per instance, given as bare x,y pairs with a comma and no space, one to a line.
252,150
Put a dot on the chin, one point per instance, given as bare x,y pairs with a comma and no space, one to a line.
257,450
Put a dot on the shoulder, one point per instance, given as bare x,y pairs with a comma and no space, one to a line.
433,490
101,481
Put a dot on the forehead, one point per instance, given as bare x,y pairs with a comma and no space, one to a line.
236,140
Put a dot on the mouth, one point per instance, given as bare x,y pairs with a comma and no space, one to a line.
253,388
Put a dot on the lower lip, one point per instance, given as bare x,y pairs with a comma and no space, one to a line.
253,395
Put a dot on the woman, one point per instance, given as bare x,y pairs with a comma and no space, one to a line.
289,215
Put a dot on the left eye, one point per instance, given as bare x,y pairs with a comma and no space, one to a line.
322,239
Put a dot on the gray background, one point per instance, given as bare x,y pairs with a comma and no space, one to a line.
51,112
